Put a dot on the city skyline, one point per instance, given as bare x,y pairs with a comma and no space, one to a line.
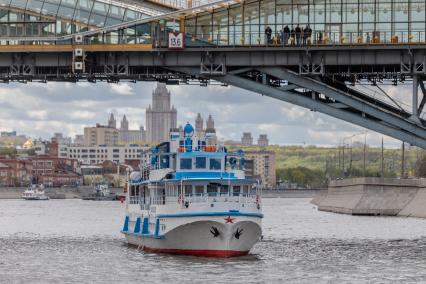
235,111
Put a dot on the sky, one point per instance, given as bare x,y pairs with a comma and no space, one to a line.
40,109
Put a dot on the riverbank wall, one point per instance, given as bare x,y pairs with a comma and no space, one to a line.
374,196
70,193
53,192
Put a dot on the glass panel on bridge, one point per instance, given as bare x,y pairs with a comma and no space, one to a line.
252,22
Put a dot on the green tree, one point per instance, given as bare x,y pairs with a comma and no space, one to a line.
421,167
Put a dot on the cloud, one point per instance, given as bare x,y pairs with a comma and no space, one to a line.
122,89
39,110
37,114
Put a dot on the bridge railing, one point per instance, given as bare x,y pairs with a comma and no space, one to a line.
319,38
316,38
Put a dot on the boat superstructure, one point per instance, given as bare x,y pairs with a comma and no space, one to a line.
35,192
192,197
101,193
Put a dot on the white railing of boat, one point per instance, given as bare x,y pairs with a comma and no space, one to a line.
195,198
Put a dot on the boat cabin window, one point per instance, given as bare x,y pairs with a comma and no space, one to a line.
199,190
215,164
200,162
185,163
245,190
134,190
188,190
212,189
224,190
144,194
236,190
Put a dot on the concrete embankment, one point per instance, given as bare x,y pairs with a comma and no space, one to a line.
374,196
52,192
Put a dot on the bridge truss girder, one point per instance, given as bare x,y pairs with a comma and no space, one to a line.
314,94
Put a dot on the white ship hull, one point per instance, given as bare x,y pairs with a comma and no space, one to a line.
36,197
197,238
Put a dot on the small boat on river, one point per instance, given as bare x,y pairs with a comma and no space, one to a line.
101,193
35,192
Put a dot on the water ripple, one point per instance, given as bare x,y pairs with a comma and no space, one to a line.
80,243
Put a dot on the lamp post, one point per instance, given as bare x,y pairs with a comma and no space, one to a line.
350,159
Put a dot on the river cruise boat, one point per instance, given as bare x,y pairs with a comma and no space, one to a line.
193,198
35,192
101,193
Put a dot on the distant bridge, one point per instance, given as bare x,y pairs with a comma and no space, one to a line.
224,41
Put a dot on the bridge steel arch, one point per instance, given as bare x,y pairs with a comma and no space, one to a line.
315,95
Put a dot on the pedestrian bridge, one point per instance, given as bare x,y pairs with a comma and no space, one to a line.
239,43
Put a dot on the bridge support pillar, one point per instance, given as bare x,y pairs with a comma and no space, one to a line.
415,100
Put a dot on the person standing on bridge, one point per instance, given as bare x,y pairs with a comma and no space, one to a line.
307,33
298,32
285,35
292,35
268,35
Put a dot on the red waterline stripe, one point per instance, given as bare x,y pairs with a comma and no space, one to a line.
194,252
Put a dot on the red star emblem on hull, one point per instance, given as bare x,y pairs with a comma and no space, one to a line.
229,219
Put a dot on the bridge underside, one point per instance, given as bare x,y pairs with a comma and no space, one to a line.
316,78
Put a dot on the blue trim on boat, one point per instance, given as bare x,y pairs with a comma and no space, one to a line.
202,214
137,225
157,228
203,175
200,154
126,224
145,226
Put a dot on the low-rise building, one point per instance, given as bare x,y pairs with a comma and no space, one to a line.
129,136
44,169
132,136
8,134
263,167
91,155
101,135
15,171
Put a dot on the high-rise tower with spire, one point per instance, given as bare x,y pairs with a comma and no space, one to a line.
199,125
210,122
161,117
112,123
210,130
124,123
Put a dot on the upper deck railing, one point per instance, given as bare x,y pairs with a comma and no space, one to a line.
318,38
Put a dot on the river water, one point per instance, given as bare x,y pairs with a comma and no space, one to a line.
75,241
